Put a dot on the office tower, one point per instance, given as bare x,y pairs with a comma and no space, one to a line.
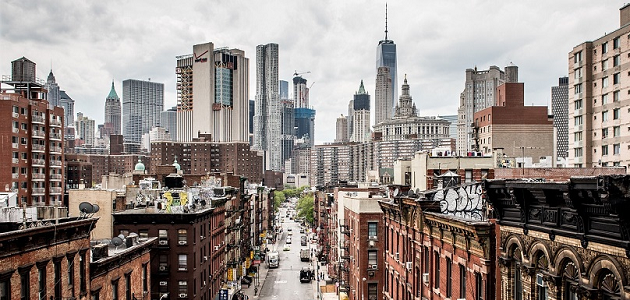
268,108
143,101
361,116
452,130
350,118
305,126
386,57
252,112
560,111
284,89
382,107
68,107
32,154
598,109
300,92
342,130
52,87
113,114
218,79
168,120
479,93
85,130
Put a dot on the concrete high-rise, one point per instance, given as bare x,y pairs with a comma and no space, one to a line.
382,109
284,89
342,130
168,120
268,107
68,107
479,93
85,130
386,57
598,106
220,85
560,111
361,116
300,92
143,101
113,114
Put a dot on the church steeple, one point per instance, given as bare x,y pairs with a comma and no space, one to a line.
112,93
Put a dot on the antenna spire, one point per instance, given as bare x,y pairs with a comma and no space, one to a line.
385,21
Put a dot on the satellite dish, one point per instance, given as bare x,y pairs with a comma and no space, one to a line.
121,236
86,208
117,241
95,208
418,191
396,192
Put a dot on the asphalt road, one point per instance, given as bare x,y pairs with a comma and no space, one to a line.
284,281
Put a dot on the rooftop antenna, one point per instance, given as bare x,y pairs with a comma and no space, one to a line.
385,21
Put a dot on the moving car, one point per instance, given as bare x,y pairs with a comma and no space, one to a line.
273,259
306,275
305,255
288,240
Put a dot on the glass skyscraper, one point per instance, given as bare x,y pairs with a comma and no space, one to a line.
386,57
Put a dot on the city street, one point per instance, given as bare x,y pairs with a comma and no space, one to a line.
284,281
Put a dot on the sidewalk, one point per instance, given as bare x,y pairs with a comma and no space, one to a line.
249,292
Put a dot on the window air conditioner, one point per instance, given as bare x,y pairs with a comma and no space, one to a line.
216,248
425,277
372,237
371,243
371,273
163,242
202,237
396,256
374,266
163,283
162,268
182,295
408,265
182,242
205,258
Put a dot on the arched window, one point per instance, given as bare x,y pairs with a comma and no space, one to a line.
570,279
608,285
542,264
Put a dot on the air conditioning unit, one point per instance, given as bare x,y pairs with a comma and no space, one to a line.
205,258
216,248
182,242
182,295
371,243
162,268
425,277
202,237
371,273
396,256
163,242
408,265
374,266
163,283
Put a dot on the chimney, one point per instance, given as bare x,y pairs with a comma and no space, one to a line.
624,15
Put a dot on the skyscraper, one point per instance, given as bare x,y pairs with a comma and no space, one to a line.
361,116
342,130
268,108
220,105
143,101
113,114
68,106
52,87
284,89
382,95
300,92
168,120
479,93
560,111
85,130
386,57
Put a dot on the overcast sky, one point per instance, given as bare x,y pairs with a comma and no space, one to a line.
89,43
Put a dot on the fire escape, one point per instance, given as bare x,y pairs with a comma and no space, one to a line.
344,264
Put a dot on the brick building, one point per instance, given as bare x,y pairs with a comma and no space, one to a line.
433,253
562,240
78,171
31,162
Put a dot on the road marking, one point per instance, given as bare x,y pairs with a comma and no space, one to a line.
280,281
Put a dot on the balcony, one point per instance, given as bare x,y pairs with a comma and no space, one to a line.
55,176
38,148
55,163
55,136
38,162
37,119
39,134
38,176
55,190
55,122
55,149
38,191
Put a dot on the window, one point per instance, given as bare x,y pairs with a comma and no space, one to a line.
604,133
479,287
616,44
604,65
449,278
41,279
616,60
82,273
577,136
604,47
115,290
577,57
143,234
616,149
71,273
5,288
577,120
604,99
372,291
462,281
145,278
578,73
578,104
95,294
182,262
605,82
372,257
181,237
518,284
468,176
616,114
541,287
25,285
616,131
426,259
436,272
605,116
57,277
616,78
182,287
372,229
605,150
577,88
616,96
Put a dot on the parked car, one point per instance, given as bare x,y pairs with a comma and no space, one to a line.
288,240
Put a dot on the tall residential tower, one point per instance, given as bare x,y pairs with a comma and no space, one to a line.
560,111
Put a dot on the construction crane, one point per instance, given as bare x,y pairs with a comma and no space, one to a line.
296,73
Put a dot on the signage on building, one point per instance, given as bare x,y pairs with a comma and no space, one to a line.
199,58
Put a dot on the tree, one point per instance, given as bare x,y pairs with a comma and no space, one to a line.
278,198
305,207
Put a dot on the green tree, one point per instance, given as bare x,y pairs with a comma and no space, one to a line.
278,198
305,207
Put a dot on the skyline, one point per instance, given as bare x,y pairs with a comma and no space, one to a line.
88,44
